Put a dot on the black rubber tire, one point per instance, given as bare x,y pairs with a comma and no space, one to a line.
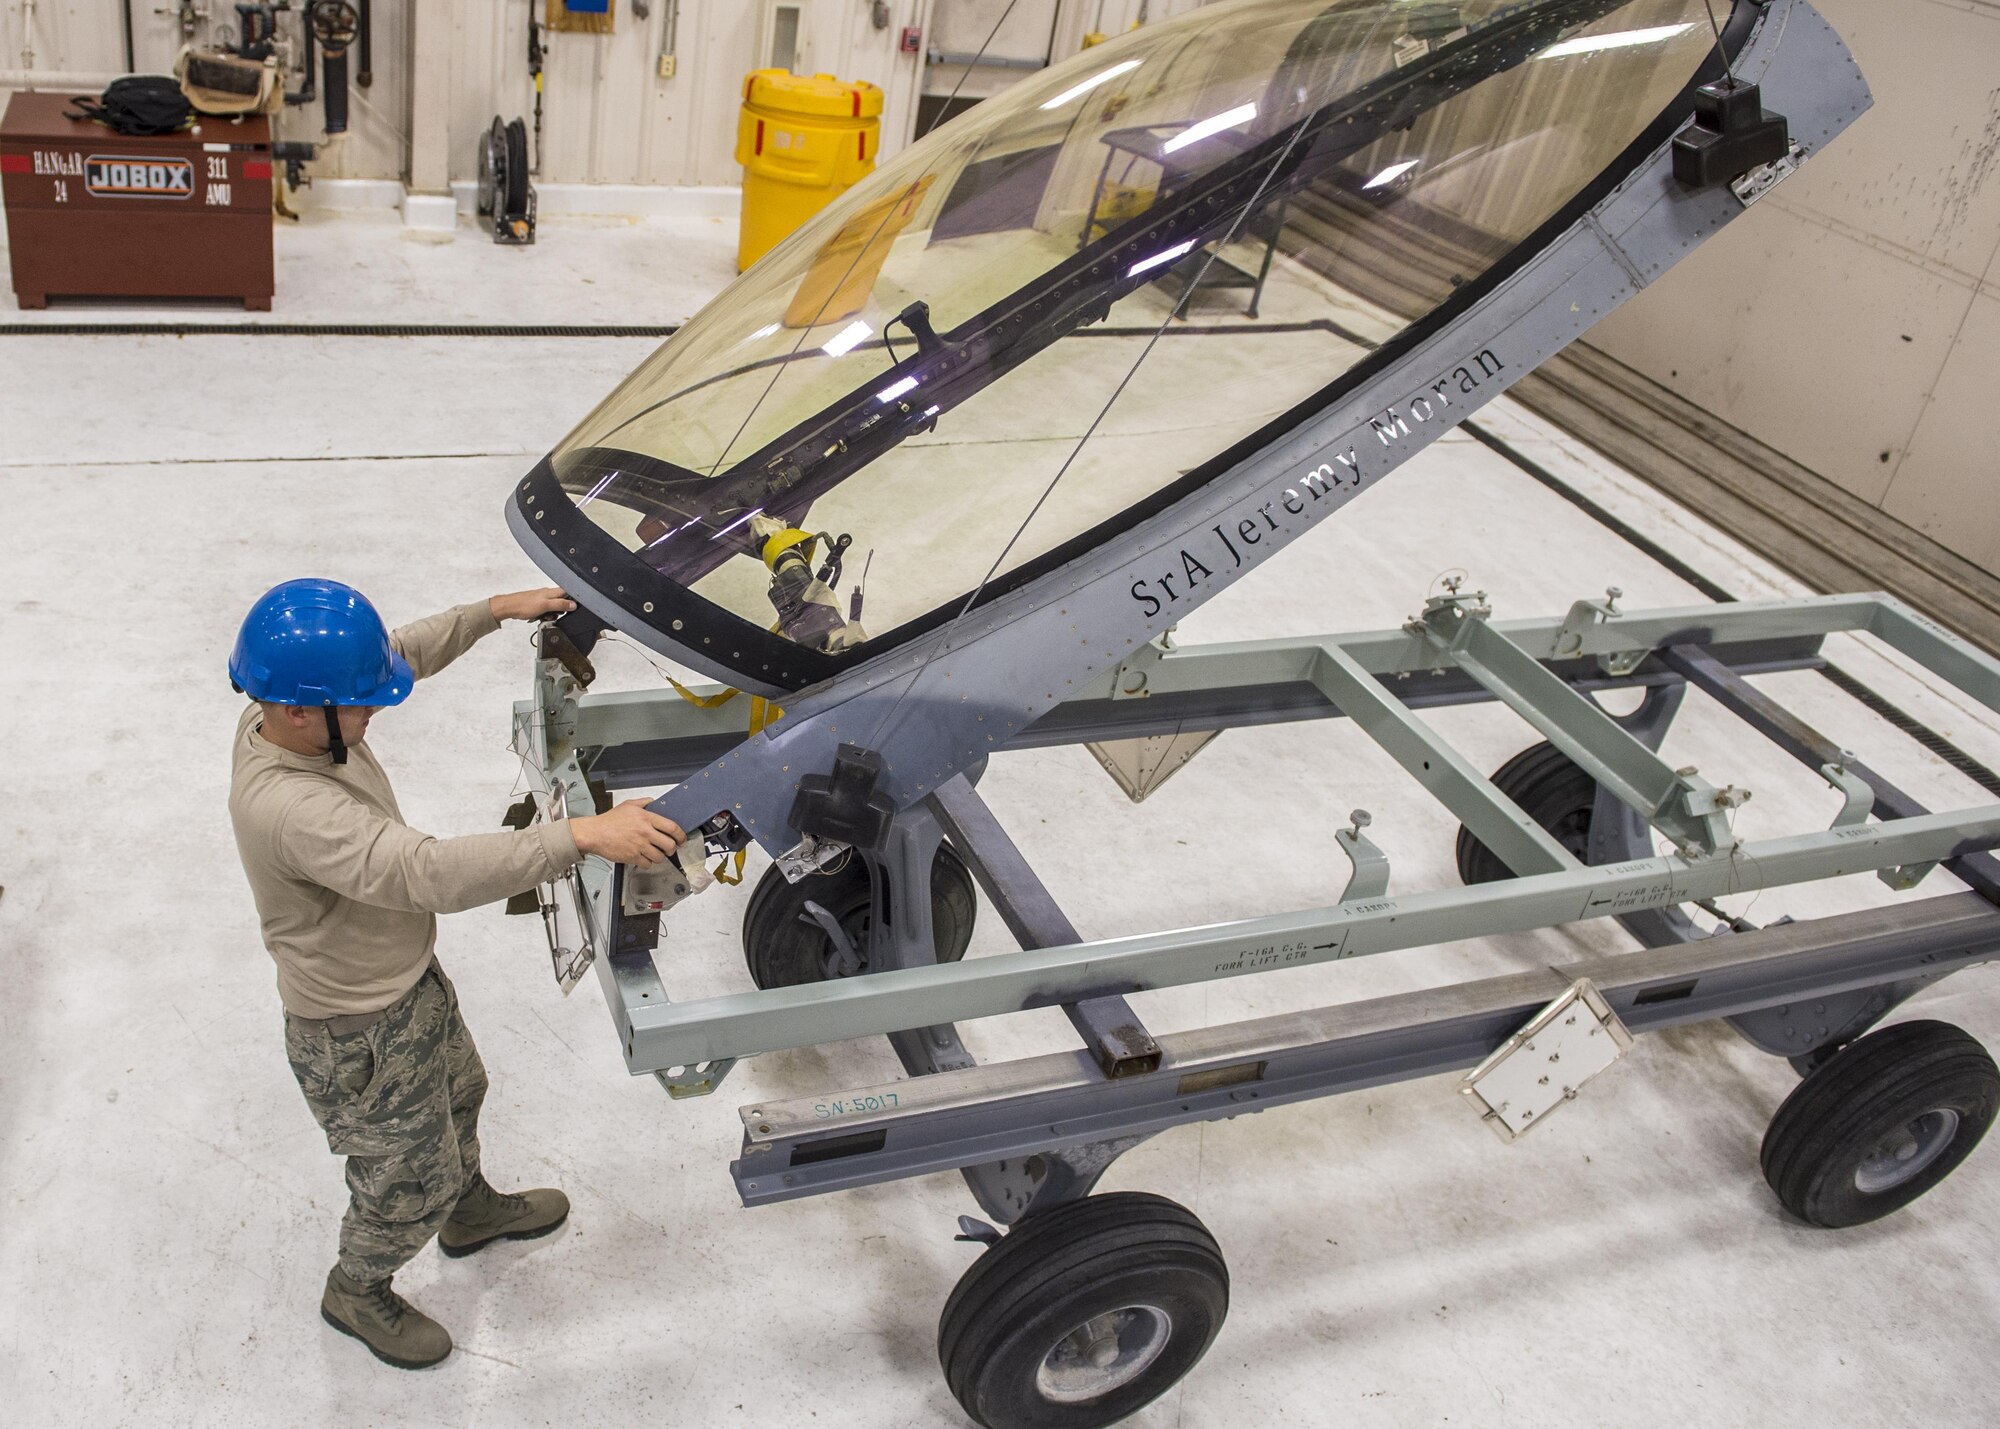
1059,1269
1554,791
784,947
516,174
1894,1079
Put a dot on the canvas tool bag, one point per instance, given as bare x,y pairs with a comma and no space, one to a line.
216,82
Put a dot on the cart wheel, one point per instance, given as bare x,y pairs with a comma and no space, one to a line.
1083,1314
784,946
1885,1119
1553,790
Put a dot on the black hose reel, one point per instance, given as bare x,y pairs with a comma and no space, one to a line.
506,198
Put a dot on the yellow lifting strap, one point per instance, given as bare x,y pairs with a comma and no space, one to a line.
706,702
783,541
762,714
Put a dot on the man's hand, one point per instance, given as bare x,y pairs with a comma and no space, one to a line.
630,833
530,604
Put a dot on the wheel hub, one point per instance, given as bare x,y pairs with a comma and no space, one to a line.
1102,1354
1906,1151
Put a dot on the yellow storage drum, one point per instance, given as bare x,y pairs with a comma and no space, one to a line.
802,141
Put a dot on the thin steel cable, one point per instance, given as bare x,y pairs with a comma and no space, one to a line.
1721,51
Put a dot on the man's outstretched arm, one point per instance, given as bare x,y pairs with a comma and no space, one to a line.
435,641
332,839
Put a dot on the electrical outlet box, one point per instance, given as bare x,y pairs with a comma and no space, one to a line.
667,66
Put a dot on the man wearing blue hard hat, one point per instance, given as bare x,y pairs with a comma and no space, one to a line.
348,896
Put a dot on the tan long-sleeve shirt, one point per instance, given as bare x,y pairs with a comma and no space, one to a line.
347,892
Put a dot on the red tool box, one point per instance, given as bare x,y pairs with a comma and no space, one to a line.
95,213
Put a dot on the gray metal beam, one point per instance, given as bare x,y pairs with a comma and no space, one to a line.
1566,719
1015,1109
745,1024
628,716
1495,820
650,738
1958,662
1108,1025
1979,871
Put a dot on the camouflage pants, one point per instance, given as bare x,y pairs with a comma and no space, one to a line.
400,1100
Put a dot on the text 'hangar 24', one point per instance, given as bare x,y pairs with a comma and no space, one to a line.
882,421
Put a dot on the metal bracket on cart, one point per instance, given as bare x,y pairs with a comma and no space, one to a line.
1370,875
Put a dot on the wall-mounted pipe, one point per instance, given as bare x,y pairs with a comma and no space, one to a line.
942,57
308,89
364,74
131,64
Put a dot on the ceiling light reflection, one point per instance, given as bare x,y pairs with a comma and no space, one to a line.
1195,133
847,339
1157,259
1391,174
1077,90
1587,44
693,521
737,522
598,490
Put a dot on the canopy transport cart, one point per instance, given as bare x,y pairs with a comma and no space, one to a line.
933,480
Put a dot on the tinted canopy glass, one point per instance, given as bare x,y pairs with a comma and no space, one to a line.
1035,322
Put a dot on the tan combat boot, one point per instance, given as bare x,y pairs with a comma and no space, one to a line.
484,1215
395,1331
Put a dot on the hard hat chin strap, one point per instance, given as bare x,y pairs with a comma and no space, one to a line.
335,745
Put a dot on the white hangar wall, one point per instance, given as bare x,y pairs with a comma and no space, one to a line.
608,116
1853,321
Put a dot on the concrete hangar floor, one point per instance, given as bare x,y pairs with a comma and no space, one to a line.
169,1207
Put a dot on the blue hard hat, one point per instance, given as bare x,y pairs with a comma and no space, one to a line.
317,642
